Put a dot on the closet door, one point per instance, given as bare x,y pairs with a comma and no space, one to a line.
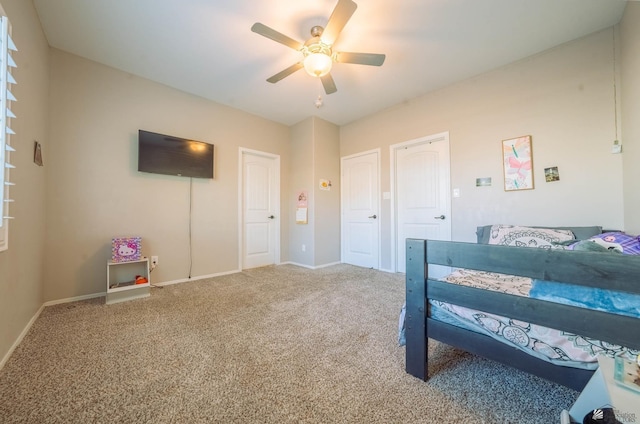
361,210
422,187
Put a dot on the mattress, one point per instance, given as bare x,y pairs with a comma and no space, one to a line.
555,346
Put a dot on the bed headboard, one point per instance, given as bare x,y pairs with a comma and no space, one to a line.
582,233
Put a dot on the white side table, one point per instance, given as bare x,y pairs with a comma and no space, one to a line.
603,392
121,285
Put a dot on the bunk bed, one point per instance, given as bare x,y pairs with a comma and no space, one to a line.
613,333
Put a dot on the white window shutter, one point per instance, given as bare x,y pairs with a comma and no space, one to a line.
6,98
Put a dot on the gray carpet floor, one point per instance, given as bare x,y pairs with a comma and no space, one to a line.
269,345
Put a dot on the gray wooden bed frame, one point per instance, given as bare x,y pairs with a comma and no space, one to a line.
594,269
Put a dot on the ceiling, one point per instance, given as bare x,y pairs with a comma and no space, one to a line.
207,48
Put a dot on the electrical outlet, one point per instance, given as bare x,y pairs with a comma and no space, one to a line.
154,260
617,147
304,248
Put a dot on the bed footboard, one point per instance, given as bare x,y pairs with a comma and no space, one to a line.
611,271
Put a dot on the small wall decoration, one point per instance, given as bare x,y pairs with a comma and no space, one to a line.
483,182
302,207
551,174
325,184
125,249
37,153
517,162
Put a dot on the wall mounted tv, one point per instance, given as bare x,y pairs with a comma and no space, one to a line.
165,154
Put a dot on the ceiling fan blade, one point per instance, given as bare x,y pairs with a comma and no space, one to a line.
285,73
338,19
265,31
372,59
328,84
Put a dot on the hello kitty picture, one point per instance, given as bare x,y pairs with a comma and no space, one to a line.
125,249
128,249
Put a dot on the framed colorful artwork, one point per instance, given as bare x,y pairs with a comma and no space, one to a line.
517,161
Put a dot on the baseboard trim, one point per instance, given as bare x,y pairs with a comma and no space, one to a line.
296,264
21,336
199,277
327,265
310,266
74,299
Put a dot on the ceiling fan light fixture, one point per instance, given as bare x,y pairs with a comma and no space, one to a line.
317,52
317,64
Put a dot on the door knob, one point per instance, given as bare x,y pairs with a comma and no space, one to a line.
373,216
271,217
439,217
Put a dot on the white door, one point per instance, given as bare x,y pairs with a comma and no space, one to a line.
422,187
260,209
360,210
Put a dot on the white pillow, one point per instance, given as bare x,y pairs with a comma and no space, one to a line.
511,235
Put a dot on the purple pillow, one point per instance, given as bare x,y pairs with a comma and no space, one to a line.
621,242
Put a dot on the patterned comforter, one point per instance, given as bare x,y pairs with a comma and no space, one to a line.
554,346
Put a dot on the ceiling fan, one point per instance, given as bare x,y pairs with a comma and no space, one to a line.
317,51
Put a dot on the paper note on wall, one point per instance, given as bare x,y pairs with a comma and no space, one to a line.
302,207
301,215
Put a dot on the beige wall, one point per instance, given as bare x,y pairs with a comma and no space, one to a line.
314,156
94,191
630,59
563,98
301,179
326,153
21,271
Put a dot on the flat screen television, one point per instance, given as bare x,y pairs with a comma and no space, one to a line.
168,155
